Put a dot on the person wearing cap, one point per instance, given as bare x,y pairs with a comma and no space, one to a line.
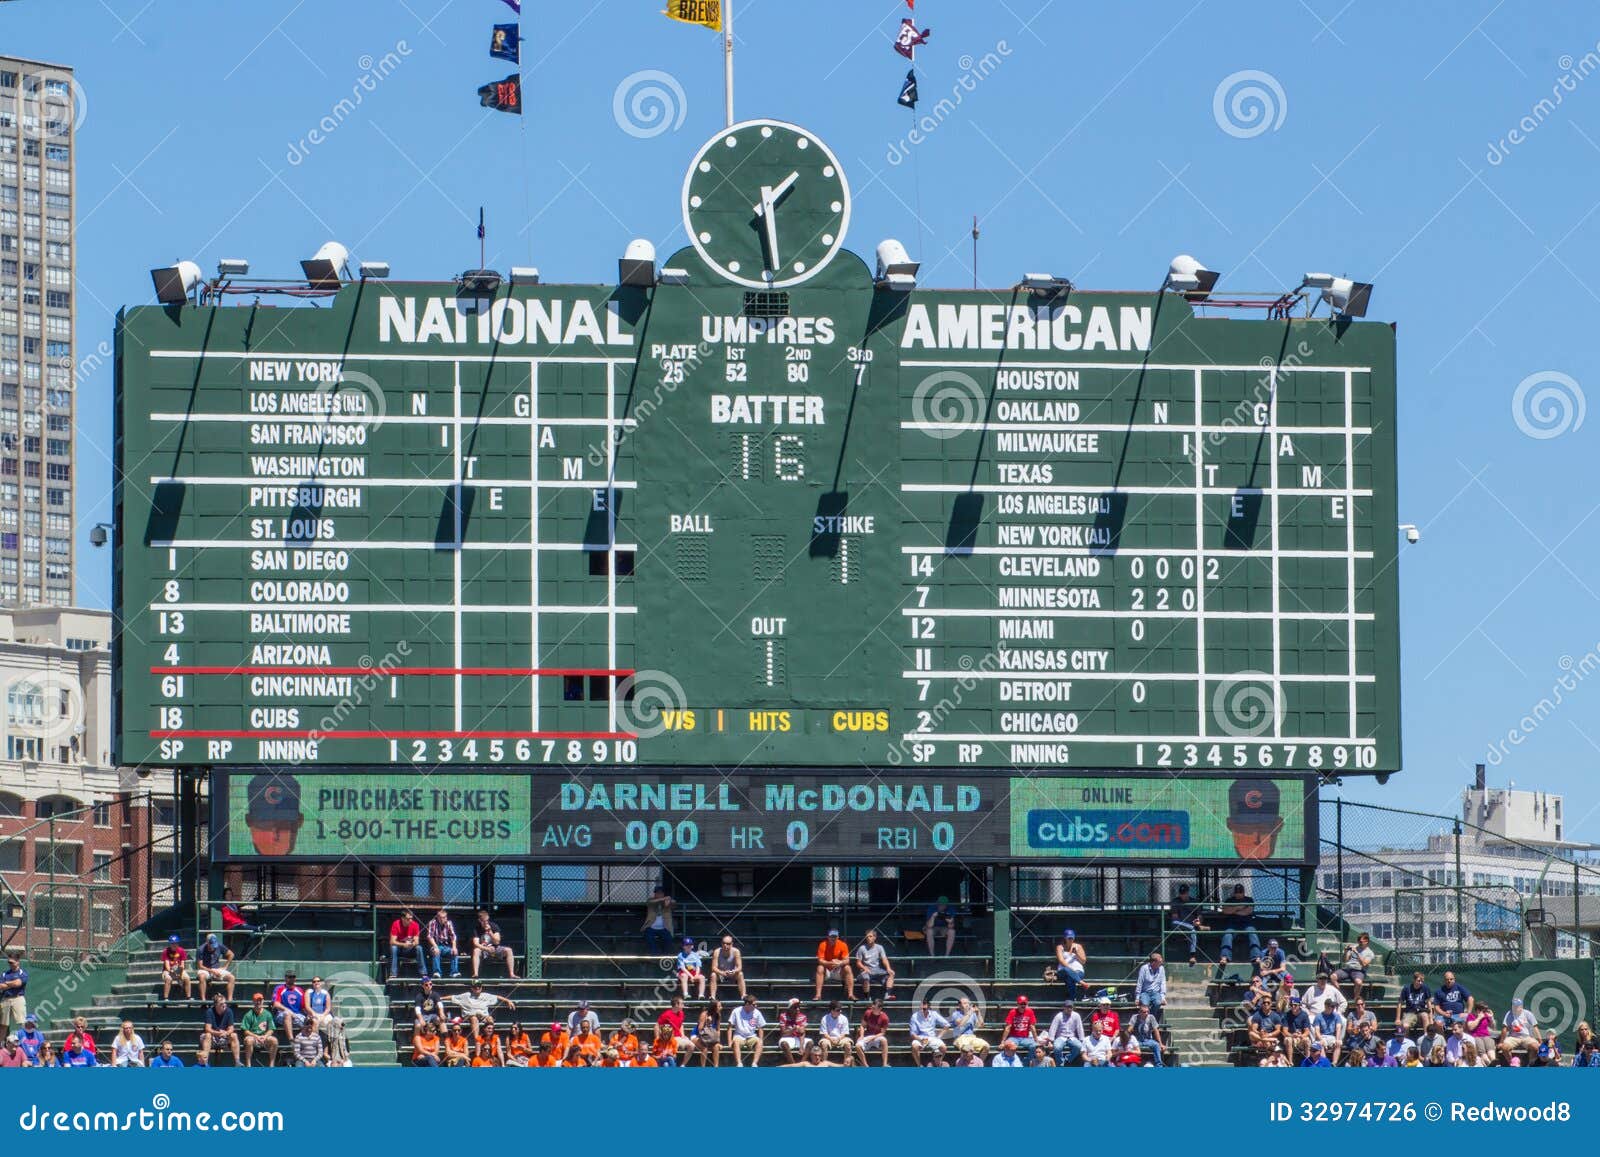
1072,962
727,965
428,1006
939,922
1296,1029
289,1006
792,1024
1254,817
441,941
1021,1025
1327,1028
1264,1027
625,1041
1272,963
308,1048
1322,994
1274,1058
405,936
873,1033
872,964
582,1014
219,1029
488,945
926,1028
1316,1058
1520,1030
1415,1002
1150,990
834,1032
1238,915
967,1057
688,969
1010,1055
833,963
425,1046
1066,1034
12,1056
1104,1016
272,813
212,966
1188,917
555,1038
476,1005
30,1040
175,970
259,1032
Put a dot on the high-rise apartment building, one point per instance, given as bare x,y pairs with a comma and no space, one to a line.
40,107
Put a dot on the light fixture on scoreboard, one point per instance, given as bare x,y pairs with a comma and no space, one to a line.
325,268
896,270
478,283
233,267
1187,276
524,275
1045,284
637,267
1345,297
373,270
176,282
674,276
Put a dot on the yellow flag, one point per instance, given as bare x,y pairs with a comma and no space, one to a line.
706,13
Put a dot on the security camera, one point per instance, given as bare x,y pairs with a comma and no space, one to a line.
1413,535
1382,777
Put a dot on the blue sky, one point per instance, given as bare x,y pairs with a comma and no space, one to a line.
1102,140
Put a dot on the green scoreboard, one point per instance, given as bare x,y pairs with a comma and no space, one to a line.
766,511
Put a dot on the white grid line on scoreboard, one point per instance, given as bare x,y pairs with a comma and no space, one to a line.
1076,738
389,608
533,542
345,356
1109,612
1151,676
1277,592
1350,535
1137,365
1217,491
1199,547
1107,552
413,483
1109,428
396,420
432,545
455,504
611,545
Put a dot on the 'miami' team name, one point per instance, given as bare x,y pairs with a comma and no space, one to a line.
1027,327
509,321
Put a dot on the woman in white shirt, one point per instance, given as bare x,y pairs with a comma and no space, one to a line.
127,1048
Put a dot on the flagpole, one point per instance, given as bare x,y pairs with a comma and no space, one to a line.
727,55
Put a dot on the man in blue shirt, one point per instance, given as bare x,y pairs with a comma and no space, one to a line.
1452,1002
1265,1027
166,1058
76,1056
31,1040
1297,1029
1416,1002
13,995
1151,988
939,923
1327,1029
1318,1059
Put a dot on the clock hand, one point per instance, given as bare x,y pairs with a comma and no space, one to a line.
767,211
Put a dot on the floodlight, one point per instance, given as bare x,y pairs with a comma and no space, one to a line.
324,269
638,264
233,267
1348,298
1187,276
524,275
1317,281
896,270
1045,283
373,270
478,283
674,276
176,282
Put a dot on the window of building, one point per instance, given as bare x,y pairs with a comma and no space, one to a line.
11,855
59,859
56,806
102,808
102,867
23,747
166,814
100,921
10,805
57,912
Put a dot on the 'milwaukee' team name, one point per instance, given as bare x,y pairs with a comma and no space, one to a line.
508,321
1027,327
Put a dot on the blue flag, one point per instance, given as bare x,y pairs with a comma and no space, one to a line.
908,91
516,6
506,43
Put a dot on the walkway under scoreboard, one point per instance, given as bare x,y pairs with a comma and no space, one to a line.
765,514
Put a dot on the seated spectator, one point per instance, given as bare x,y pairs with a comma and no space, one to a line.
235,922
30,1040
476,1005
405,937
965,1023
727,966
425,1046
1104,1018
486,1045
1284,994
674,1017
1042,1058
1358,1013
873,1033
657,926
1324,996
792,1037
1520,1031
873,966
1353,967
745,1027
1147,1031
1452,1002
1317,1058
320,1012
835,1032
1398,1046
218,1031
1327,1029
308,1050
664,1047
708,1035
1275,1059
968,1057
1586,1053
1265,1029
81,1036
289,1006
626,1042
166,1058
214,965
175,969
1066,1035
1150,990
1071,964
519,1047
1480,1025
1008,1057
1297,1030
1238,915
442,944
1362,1044
1433,1036
927,1028
1187,918
257,1029
1021,1025
1126,1052
47,1057
584,1014
1100,1049
487,944
1272,965
127,1048
557,1037
833,963
688,969
939,923
1415,1004
1457,1043
12,1056
429,1005
457,1047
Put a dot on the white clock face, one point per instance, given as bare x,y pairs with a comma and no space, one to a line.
766,204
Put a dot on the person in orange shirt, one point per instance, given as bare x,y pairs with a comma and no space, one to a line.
625,1042
664,1048
425,1047
519,1047
642,1061
833,963
576,1057
556,1038
545,1058
457,1048
588,1043
487,1046
609,1059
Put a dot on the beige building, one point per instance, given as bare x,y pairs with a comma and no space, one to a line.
40,107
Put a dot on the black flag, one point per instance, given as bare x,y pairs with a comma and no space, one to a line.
908,91
506,44
503,95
